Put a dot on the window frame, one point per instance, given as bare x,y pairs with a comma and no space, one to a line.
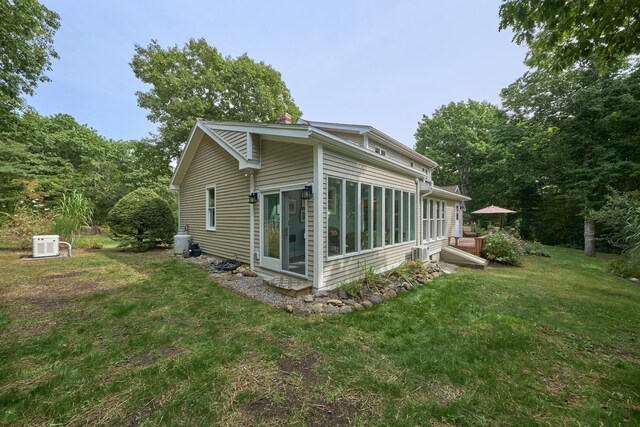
359,216
209,208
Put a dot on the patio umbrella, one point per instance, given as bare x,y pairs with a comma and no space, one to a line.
494,210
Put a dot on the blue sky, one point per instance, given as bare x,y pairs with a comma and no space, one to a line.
381,63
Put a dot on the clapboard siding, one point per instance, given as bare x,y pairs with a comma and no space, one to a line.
238,140
343,270
355,138
210,166
285,164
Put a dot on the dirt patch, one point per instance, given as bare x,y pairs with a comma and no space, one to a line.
288,391
64,275
303,367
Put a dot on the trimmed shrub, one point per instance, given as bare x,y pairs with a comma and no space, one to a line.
141,220
534,248
503,248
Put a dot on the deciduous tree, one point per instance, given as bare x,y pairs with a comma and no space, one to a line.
197,81
560,34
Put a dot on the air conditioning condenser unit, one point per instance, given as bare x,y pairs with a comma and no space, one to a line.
421,253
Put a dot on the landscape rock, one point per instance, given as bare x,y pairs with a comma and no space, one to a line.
366,303
317,308
331,309
391,293
308,298
635,280
358,307
376,299
335,302
349,301
249,273
342,295
346,309
288,308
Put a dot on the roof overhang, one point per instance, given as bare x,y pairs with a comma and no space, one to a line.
301,133
449,195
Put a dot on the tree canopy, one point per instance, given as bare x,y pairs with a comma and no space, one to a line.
197,81
459,136
26,48
560,34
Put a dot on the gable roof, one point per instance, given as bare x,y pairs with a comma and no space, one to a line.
450,188
379,136
234,136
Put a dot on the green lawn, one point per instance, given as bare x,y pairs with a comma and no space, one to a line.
126,339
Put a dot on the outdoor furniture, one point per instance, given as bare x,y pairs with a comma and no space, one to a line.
473,245
467,231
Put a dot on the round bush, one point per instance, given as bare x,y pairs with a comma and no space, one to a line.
502,247
142,220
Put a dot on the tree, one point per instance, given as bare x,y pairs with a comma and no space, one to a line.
197,81
589,127
142,220
459,136
560,34
26,48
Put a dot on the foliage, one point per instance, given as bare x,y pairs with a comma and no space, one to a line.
142,220
460,136
72,212
561,34
49,156
503,248
26,222
26,49
618,213
534,248
587,126
624,267
197,81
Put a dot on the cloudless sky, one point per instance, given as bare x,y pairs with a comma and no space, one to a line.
380,63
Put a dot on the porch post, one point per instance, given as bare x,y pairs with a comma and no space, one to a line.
318,235
251,224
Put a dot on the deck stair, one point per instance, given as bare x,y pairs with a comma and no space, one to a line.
462,258
289,286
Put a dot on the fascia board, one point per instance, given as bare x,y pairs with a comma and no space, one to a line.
178,170
340,144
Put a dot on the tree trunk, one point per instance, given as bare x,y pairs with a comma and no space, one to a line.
589,237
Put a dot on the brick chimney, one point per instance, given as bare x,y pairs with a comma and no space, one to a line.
284,119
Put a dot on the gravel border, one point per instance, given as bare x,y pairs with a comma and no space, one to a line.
248,284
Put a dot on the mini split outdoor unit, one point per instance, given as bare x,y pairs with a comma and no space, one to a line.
44,246
421,253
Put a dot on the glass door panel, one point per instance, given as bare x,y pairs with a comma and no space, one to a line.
271,236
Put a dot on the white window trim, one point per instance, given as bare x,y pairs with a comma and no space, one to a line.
440,206
207,208
343,231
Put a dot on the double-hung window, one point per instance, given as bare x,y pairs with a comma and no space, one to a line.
211,208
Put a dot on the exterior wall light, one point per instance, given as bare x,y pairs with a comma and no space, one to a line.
307,193
253,198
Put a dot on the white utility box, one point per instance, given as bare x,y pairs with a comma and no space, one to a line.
44,246
421,253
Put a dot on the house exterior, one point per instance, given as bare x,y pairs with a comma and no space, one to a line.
329,199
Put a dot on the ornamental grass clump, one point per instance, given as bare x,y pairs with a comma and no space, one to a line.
141,220
503,248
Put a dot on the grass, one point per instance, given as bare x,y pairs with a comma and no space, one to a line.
115,338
